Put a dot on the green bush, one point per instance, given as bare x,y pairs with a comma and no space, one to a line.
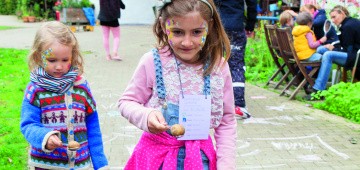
343,100
259,63
8,7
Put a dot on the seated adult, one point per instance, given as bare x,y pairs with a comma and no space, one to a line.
344,55
319,16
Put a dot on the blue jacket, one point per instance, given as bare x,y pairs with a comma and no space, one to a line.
233,16
318,28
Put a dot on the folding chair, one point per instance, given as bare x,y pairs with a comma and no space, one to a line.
273,45
355,66
287,45
344,75
288,58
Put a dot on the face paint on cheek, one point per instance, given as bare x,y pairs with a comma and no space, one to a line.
203,37
168,26
45,55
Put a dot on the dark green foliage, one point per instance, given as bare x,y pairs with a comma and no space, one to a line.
259,63
8,7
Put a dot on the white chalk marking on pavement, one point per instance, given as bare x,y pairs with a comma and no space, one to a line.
278,108
262,121
123,135
109,95
116,167
332,149
306,137
309,158
116,135
112,105
113,114
293,146
130,127
245,145
258,97
262,166
130,149
278,118
255,152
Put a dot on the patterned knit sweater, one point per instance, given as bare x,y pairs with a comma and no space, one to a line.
72,116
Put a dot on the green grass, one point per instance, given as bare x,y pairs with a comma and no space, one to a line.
14,76
7,27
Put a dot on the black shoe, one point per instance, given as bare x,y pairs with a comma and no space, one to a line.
311,93
309,90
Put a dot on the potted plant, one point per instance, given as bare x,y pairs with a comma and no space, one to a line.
31,17
25,16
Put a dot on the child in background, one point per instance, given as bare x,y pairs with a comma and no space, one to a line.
305,42
319,18
187,71
58,109
109,20
286,18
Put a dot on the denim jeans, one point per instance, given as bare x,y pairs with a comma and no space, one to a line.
321,49
314,57
328,59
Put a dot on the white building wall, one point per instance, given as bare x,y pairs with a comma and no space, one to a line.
136,11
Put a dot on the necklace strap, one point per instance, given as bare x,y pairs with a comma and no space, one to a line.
206,90
160,85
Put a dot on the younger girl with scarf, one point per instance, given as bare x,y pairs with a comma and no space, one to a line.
58,108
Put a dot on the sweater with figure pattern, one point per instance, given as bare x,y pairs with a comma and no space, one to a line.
45,113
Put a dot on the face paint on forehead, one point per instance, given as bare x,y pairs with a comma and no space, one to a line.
45,55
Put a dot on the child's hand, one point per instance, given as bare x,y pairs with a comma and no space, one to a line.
323,39
156,122
53,142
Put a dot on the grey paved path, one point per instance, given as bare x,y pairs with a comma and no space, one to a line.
282,134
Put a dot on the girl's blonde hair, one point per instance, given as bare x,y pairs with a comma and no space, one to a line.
48,33
285,17
340,9
217,42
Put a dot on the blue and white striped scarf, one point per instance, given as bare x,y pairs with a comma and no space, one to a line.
53,84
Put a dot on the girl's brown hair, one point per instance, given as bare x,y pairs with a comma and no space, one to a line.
48,33
309,6
217,43
340,9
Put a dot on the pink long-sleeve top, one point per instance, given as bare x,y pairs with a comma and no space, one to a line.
140,98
